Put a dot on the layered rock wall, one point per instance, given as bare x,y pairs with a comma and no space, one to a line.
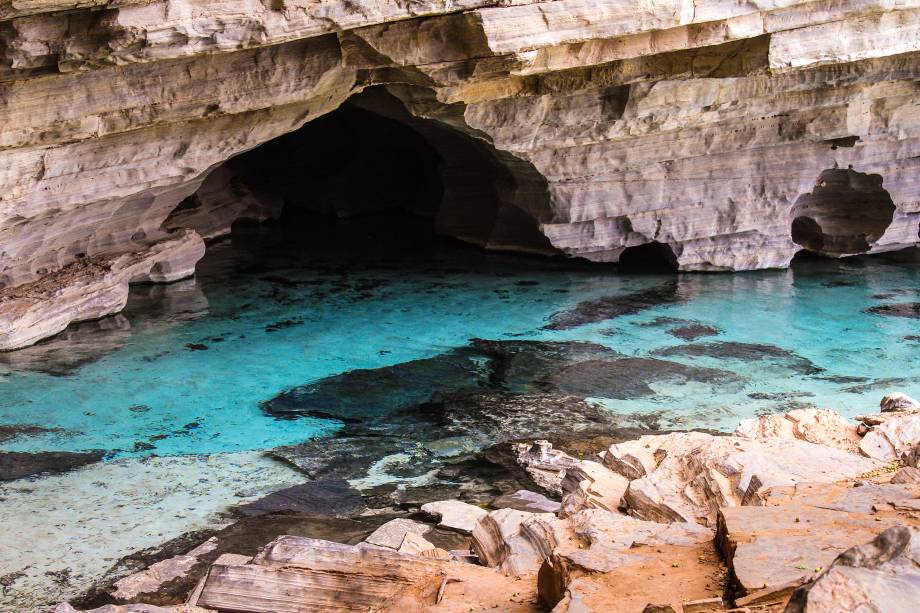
706,126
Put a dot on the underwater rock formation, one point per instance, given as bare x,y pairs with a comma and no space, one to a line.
712,135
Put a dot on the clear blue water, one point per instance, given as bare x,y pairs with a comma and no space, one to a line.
185,368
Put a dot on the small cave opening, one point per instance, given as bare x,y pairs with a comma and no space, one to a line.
653,257
845,214
371,169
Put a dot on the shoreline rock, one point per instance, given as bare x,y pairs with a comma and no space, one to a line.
684,521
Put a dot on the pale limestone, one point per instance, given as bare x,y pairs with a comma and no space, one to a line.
621,122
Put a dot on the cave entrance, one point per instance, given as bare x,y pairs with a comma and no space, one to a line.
846,214
650,257
371,162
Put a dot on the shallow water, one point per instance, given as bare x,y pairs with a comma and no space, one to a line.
185,369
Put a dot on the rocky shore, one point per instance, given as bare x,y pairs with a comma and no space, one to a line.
795,512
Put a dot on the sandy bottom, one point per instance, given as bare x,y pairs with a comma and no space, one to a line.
60,533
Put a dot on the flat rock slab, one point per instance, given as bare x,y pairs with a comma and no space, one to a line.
813,524
393,533
882,575
455,515
525,500
19,464
333,497
299,575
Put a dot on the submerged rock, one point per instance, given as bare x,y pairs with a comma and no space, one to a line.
747,352
632,377
333,497
610,307
21,464
691,332
904,309
10,432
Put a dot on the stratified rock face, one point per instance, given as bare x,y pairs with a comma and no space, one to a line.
718,135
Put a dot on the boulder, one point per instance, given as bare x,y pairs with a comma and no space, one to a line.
693,482
454,514
514,541
590,485
892,439
414,544
393,533
882,575
545,465
899,402
819,426
525,500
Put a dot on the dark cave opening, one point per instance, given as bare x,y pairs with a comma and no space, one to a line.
845,214
650,257
373,167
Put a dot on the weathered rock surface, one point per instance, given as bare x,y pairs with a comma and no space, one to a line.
516,542
803,528
898,402
892,439
91,288
598,555
820,426
612,125
881,575
524,500
700,473
393,533
151,578
455,515
295,574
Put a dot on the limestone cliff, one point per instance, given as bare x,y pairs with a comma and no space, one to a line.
728,134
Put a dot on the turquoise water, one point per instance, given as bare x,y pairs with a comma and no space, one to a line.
185,368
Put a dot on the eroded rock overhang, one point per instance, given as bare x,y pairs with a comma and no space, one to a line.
694,126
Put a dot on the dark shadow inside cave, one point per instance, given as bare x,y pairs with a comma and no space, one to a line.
650,257
371,163
844,215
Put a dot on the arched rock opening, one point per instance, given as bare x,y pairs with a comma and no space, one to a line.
372,157
651,257
846,214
